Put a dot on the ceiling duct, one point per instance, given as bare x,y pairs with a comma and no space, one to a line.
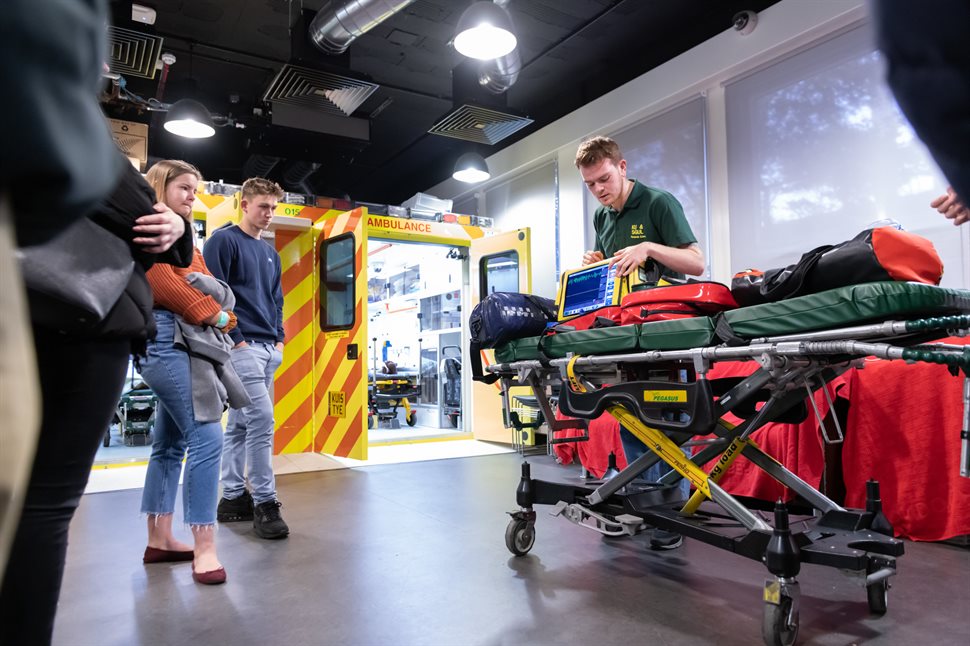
296,174
480,125
258,165
341,22
133,53
319,90
481,113
500,74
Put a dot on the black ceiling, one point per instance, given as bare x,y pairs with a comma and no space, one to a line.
572,51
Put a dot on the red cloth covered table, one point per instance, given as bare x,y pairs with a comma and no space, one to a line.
904,425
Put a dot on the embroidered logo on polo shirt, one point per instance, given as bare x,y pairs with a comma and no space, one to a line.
636,231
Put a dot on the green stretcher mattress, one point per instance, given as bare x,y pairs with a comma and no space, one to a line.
842,307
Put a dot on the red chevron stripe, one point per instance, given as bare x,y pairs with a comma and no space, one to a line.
298,320
353,434
297,272
287,381
292,426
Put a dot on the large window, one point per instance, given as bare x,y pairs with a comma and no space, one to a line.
818,151
337,297
669,152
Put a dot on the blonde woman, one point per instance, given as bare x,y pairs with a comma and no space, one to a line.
179,424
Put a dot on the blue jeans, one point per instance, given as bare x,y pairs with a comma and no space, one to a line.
249,433
633,448
167,372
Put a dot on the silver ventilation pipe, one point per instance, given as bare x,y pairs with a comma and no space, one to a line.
295,176
499,74
339,23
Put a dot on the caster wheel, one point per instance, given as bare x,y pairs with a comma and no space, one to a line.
370,421
412,419
520,536
779,626
106,442
878,596
454,419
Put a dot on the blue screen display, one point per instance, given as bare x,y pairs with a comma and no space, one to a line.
588,290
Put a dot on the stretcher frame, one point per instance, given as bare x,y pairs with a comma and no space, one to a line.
858,542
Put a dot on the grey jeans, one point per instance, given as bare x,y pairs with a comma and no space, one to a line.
248,445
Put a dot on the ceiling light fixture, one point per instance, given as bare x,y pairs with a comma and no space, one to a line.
189,118
471,169
485,32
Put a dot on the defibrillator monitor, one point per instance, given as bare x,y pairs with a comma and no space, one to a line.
588,288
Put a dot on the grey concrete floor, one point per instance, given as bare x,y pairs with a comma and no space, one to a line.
414,554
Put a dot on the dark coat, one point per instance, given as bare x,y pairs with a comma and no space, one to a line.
131,317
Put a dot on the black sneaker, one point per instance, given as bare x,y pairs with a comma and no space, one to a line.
267,522
235,509
664,540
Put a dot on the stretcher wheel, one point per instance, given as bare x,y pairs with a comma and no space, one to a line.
107,438
779,626
520,536
370,421
412,418
454,419
878,595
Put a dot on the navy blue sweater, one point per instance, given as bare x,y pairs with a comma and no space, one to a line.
251,267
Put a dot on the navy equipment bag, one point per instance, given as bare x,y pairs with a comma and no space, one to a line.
502,317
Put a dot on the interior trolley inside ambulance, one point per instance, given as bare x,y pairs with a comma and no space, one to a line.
375,316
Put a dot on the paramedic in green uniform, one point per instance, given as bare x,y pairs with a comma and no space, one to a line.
634,224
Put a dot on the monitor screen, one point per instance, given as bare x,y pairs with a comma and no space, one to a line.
588,289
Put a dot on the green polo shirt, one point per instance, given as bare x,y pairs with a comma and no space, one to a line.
649,215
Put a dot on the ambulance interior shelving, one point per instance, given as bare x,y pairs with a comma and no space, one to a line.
414,294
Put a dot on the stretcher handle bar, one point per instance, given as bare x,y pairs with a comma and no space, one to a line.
714,352
965,432
887,328
928,354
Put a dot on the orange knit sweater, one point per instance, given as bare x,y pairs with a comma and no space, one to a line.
173,292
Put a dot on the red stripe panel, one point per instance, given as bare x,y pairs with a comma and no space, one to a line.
292,426
353,434
298,320
297,272
290,377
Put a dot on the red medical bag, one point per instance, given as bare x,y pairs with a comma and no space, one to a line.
675,302
603,317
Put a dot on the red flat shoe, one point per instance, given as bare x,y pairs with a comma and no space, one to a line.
155,555
212,577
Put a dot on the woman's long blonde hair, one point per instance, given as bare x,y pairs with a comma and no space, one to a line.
159,175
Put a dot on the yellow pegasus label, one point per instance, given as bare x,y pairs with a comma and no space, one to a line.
671,396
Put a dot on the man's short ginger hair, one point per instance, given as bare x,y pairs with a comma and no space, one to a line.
595,149
261,186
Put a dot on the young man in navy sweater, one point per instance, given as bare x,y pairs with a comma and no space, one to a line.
237,255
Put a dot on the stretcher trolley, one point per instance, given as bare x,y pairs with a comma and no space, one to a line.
386,392
652,377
